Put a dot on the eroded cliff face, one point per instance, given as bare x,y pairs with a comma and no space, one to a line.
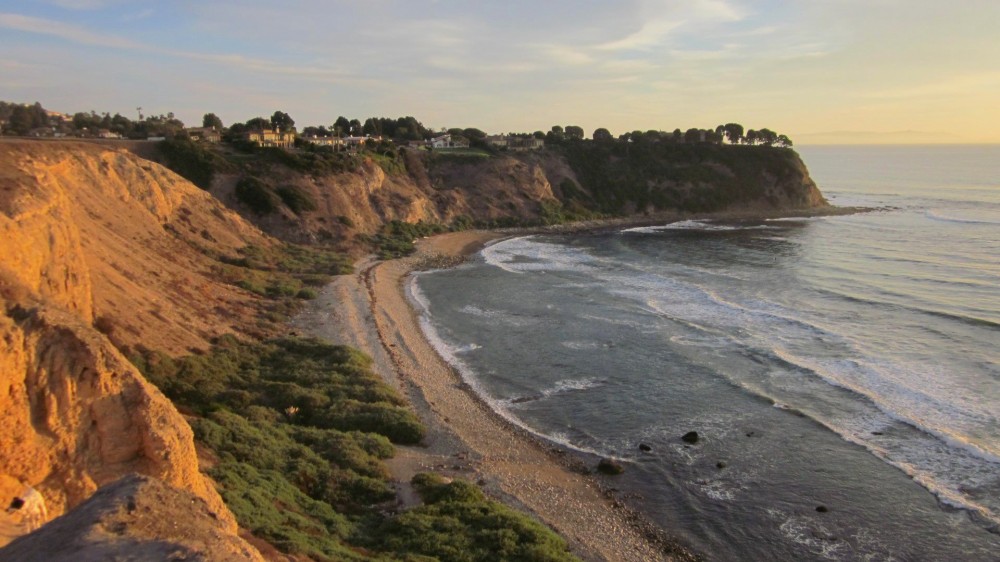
607,178
89,233
427,188
104,233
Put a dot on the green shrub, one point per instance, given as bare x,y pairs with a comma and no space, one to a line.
295,199
195,162
306,294
458,523
256,195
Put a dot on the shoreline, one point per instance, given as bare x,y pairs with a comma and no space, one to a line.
371,310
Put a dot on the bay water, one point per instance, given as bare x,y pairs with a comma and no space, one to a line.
842,373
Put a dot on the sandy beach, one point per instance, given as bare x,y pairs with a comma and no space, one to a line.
370,310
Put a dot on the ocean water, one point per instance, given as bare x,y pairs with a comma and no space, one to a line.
850,364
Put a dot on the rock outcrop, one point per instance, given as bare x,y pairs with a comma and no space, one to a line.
103,233
89,233
136,518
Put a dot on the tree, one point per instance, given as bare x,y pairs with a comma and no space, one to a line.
258,124
767,137
211,120
602,135
784,141
751,137
281,120
473,133
341,126
21,120
573,132
692,136
733,132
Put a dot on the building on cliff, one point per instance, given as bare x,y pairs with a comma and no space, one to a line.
271,138
517,144
207,134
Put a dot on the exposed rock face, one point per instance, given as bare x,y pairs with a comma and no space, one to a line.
430,189
101,232
91,233
136,518
439,187
77,415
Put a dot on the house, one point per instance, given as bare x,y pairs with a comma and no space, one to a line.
520,144
207,134
324,141
271,138
442,141
517,144
446,141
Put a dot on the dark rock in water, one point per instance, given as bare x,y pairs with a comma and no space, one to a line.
822,508
750,434
645,448
721,464
608,466
690,437
877,433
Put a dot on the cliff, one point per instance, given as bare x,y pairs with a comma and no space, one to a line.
98,236
349,195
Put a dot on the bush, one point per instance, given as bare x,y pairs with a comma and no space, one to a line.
295,199
457,522
256,195
306,294
193,161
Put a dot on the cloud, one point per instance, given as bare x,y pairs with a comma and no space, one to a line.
82,4
65,31
81,35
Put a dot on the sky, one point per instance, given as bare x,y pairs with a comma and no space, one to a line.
820,71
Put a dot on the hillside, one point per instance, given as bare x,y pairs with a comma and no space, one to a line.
94,241
312,195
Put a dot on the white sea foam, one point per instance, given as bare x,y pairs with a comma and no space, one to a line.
521,255
942,217
692,225
416,295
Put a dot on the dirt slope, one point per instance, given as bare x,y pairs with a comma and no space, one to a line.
89,233
104,233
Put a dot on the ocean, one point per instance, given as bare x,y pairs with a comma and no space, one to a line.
842,373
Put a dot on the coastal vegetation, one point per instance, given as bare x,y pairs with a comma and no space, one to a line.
299,431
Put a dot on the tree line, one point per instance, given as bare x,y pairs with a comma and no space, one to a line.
22,119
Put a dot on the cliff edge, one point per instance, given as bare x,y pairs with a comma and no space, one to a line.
92,236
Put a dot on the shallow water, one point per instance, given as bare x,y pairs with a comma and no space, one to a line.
845,362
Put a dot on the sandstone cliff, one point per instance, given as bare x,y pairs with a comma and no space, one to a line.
520,188
89,234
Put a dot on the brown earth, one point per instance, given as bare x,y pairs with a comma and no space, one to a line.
137,518
92,236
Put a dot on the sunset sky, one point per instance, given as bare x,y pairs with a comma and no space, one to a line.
817,70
